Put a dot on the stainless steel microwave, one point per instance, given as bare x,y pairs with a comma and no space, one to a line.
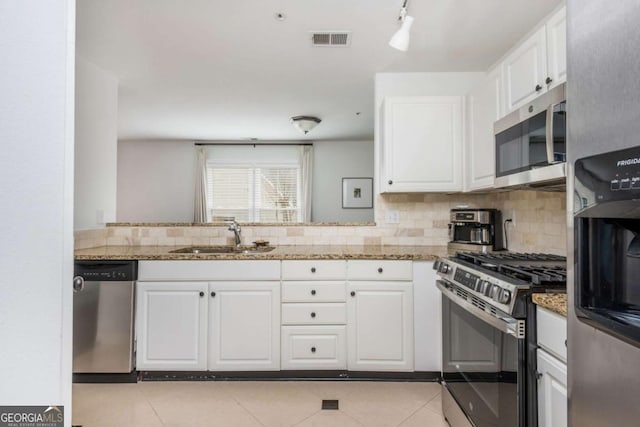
531,143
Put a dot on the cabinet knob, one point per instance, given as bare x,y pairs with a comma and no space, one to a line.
313,314
549,80
390,182
213,294
380,270
313,349
313,269
538,88
201,293
353,293
530,108
313,291
538,375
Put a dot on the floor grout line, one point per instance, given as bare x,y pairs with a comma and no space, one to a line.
411,414
248,411
153,408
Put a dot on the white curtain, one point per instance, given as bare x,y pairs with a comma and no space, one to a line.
306,169
201,213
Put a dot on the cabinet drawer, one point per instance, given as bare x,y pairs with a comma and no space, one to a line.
313,347
380,270
552,333
314,314
314,270
314,291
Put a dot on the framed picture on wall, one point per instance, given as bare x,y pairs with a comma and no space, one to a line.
357,193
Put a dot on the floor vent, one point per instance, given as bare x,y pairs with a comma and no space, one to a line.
331,38
330,404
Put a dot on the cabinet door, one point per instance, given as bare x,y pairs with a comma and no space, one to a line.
171,326
525,71
552,391
557,48
483,109
422,142
380,326
244,326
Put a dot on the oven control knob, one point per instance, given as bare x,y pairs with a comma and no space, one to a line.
505,297
478,285
486,288
436,265
495,293
444,268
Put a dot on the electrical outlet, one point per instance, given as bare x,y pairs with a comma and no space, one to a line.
510,214
392,217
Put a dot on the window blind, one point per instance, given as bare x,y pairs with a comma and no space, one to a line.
254,193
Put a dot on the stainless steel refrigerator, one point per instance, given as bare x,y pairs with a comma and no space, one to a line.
603,101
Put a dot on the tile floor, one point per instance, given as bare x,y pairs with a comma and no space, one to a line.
256,404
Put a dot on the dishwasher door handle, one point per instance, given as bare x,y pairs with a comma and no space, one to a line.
78,284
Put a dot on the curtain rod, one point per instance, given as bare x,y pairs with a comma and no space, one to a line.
250,143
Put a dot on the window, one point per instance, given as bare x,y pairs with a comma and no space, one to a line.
244,183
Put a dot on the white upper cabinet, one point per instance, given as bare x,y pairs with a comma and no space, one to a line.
525,71
483,109
421,144
557,48
537,64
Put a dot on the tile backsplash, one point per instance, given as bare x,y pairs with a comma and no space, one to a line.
540,225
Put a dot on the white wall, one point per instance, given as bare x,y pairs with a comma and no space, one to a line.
332,161
96,146
36,219
418,84
156,181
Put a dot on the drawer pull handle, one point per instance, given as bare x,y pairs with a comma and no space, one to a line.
313,269
380,270
353,293
201,293
313,349
313,291
213,294
313,314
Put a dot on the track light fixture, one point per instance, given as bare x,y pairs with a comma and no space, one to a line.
400,39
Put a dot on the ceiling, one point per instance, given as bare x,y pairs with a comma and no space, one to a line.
229,70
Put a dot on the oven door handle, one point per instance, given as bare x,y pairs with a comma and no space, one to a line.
503,323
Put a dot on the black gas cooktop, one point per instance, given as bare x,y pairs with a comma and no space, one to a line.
533,268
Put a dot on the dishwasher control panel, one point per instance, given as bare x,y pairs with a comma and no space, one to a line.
104,271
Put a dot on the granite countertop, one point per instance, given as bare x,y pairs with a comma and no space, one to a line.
285,252
556,302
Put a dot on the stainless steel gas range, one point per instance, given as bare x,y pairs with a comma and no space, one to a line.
489,343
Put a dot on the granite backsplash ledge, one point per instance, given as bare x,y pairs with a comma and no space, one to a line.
540,225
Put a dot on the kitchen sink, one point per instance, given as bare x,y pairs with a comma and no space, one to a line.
223,250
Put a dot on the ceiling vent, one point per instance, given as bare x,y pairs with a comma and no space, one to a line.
331,38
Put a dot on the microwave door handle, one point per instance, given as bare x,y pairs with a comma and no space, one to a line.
549,125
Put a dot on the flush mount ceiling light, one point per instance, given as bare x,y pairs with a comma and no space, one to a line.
400,39
305,123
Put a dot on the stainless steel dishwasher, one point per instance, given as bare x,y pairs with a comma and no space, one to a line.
103,317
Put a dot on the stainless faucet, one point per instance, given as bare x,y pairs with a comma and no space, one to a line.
235,227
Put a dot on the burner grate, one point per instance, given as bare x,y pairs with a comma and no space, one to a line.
535,275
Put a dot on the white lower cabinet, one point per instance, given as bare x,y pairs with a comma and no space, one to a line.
244,326
552,369
314,347
380,326
552,391
171,326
